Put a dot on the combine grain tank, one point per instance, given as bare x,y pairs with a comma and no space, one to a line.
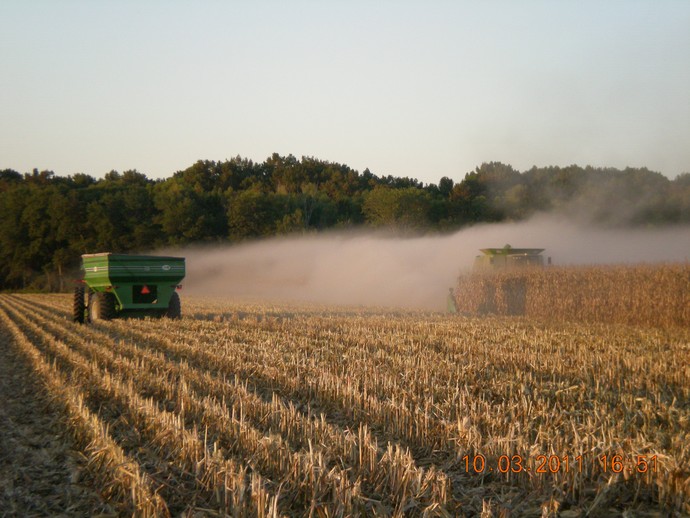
508,257
120,285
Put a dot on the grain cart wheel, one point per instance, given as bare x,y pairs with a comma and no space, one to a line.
102,306
174,307
78,307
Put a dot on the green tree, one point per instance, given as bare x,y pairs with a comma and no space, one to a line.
191,207
251,214
445,186
121,213
404,209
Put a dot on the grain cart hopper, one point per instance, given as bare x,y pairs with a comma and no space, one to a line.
120,285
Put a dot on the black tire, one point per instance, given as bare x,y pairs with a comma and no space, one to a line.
78,308
102,306
174,307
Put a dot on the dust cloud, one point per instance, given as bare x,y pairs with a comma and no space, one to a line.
380,270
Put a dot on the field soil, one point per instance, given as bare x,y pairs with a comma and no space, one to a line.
40,473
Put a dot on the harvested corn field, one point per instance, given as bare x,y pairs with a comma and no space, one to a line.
648,294
260,410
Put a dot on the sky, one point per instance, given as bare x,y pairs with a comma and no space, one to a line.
406,88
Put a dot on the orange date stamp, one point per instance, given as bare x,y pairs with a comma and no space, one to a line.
545,464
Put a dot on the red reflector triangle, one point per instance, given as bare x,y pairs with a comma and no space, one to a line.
145,290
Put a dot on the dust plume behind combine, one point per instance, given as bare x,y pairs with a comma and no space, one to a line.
373,269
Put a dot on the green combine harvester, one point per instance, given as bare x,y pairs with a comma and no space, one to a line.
121,285
497,283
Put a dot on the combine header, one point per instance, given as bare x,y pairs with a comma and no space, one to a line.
120,285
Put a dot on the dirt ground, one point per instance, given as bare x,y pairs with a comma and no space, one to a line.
39,471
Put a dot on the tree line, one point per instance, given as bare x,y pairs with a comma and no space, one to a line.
48,221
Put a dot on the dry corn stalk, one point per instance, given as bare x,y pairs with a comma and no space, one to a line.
340,411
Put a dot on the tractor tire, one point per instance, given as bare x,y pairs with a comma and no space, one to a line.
174,307
102,306
78,308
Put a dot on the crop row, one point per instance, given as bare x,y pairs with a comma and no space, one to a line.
306,466
276,411
650,295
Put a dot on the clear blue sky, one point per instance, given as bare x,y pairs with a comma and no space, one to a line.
421,89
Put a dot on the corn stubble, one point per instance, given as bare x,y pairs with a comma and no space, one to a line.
260,410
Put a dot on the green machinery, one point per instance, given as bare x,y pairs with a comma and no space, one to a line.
118,285
498,283
508,257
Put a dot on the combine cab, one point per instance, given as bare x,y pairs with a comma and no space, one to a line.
120,285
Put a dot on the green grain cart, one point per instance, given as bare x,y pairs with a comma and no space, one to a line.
120,285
